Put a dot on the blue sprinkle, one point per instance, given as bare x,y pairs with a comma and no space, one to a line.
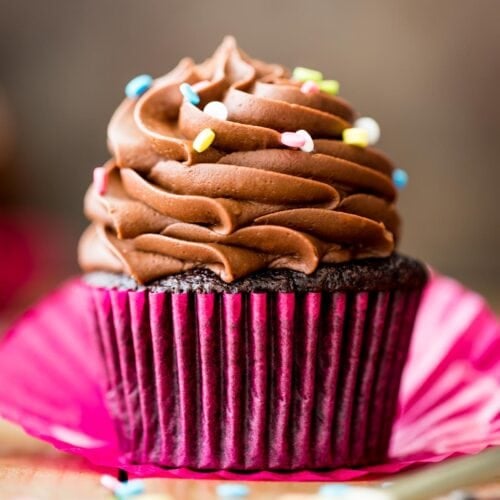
189,93
232,490
332,490
129,489
138,85
400,178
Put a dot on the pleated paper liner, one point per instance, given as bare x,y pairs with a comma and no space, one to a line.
254,381
51,383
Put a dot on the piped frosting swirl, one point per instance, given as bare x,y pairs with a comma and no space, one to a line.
247,202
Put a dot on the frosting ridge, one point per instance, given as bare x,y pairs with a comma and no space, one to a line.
247,202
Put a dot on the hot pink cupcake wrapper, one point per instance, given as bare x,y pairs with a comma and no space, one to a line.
51,378
260,381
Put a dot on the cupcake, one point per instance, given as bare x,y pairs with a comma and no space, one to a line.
250,307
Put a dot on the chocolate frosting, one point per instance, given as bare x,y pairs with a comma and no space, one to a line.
247,203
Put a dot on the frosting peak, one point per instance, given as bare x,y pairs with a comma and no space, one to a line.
247,201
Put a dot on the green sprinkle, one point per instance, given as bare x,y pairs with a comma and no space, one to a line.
329,86
303,74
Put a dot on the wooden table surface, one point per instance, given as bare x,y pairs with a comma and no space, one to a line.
32,470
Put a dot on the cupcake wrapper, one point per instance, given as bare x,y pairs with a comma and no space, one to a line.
260,381
51,378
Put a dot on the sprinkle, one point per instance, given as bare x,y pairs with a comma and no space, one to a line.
203,140
332,490
329,86
292,140
138,85
216,109
122,489
130,488
200,85
309,87
189,93
100,180
355,137
232,490
303,74
308,146
400,178
110,482
371,127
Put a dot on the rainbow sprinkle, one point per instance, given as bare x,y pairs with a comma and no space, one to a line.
303,74
292,140
189,93
309,87
355,137
331,87
400,178
203,140
138,85
216,109
232,490
308,146
101,180
371,126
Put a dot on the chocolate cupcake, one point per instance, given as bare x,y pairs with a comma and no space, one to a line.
250,307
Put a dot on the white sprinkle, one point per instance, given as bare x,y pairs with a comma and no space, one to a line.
216,109
109,482
372,128
308,146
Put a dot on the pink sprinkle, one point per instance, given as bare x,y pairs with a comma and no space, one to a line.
292,140
309,87
100,180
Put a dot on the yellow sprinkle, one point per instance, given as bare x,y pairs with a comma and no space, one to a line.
303,74
203,140
355,137
329,86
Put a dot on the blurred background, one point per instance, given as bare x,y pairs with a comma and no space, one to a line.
428,71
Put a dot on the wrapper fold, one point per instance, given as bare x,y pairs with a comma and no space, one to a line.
260,381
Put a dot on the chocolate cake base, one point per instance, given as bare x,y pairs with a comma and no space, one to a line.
396,271
276,371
